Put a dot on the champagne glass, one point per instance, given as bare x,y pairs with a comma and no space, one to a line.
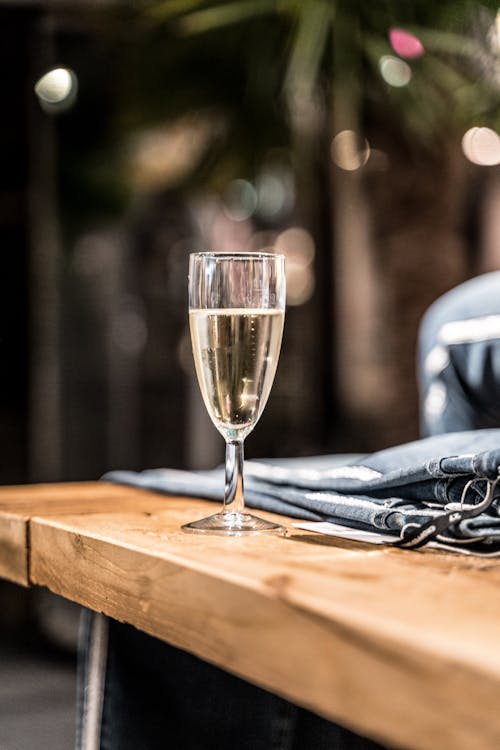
236,316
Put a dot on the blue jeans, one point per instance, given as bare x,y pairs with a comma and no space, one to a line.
138,693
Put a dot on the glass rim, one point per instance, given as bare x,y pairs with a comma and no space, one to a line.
242,255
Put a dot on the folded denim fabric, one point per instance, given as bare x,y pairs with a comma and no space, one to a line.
440,488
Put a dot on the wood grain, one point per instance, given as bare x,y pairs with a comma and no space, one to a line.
401,646
19,503
14,548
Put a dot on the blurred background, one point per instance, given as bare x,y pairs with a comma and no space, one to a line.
358,138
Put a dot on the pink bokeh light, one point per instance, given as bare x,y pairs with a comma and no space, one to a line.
405,44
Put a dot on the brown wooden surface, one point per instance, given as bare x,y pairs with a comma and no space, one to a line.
19,503
401,646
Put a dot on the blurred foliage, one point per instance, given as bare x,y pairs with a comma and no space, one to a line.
136,74
456,81
252,62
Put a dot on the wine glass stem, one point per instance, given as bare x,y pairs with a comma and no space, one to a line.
234,501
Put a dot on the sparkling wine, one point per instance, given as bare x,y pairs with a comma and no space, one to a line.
236,354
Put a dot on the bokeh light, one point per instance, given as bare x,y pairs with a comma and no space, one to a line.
92,255
262,242
406,44
394,71
240,200
297,245
349,151
165,154
128,328
482,146
275,192
57,89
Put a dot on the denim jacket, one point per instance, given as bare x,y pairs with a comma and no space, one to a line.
442,487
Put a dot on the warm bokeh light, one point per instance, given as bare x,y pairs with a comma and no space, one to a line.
262,242
163,155
394,71
482,146
56,90
297,244
349,151
406,44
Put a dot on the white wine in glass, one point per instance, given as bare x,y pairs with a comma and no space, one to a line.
236,316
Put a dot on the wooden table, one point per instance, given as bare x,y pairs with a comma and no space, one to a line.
401,646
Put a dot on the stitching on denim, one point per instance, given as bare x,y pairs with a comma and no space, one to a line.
442,487
434,468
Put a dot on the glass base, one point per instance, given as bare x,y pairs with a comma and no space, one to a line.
234,524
